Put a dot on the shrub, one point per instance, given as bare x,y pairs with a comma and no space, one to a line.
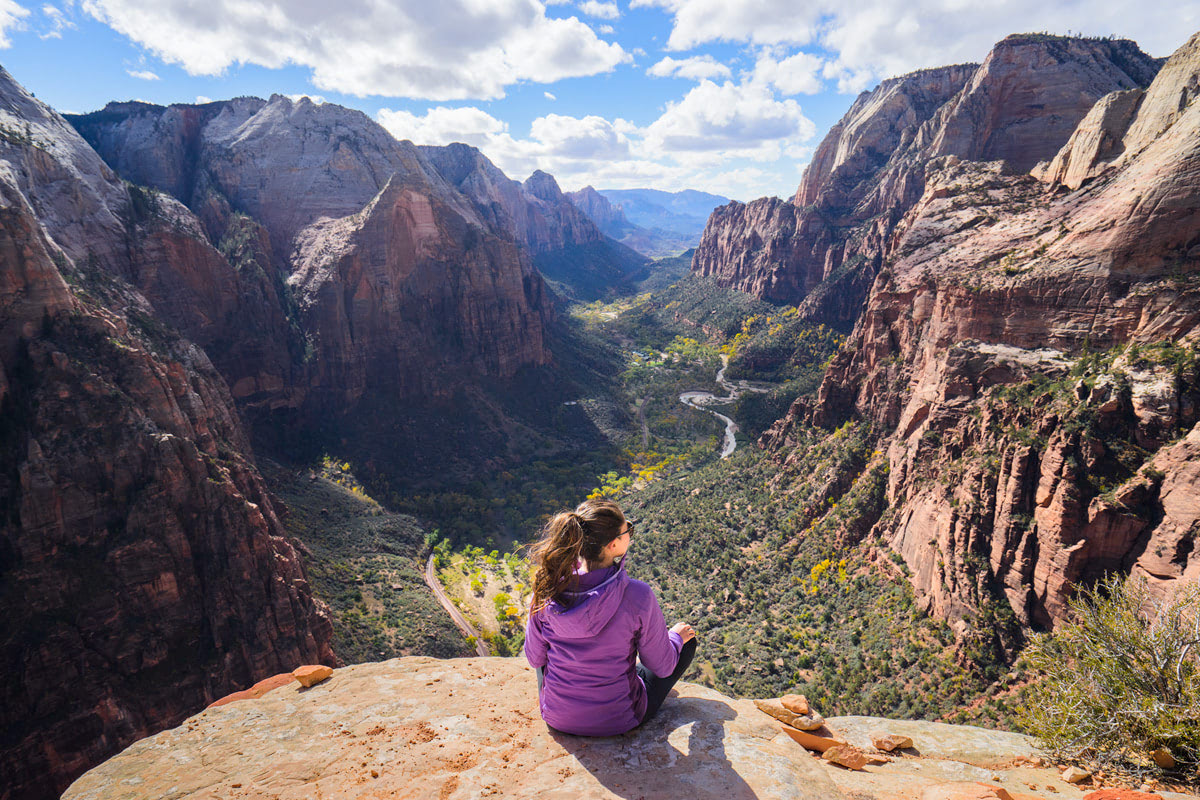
1122,679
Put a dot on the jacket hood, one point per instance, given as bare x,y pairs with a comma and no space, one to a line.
586,613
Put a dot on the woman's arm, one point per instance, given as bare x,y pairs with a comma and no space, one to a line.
536,646
658,648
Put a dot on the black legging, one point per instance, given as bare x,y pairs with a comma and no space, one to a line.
657,688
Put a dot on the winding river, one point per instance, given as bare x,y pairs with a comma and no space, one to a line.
702,401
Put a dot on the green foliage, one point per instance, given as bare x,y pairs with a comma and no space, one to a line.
1122,679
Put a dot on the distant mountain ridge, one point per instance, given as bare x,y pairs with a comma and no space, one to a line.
652,222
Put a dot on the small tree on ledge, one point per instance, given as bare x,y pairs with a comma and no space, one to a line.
1120,683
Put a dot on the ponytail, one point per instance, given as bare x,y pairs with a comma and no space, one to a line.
568,538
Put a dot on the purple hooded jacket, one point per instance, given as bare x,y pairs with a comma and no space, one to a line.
588,645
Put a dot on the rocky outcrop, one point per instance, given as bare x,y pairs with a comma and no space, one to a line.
1021,463
423,728
286,188
564,243
407,290
145,568
609,219
823,249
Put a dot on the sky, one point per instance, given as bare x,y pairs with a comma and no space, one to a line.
725,96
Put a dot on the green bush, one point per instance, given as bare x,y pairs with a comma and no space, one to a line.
1122,679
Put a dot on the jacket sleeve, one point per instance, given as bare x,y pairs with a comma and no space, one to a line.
536,645
658,648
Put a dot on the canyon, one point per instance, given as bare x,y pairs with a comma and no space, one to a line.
1024,349
1012,249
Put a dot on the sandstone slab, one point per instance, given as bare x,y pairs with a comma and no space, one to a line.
806,722
451,730
257,690
965,743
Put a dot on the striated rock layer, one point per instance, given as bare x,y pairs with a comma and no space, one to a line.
1029,357
143,567
823,248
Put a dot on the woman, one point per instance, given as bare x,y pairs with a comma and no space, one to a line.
589,620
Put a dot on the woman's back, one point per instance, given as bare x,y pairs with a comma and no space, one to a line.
587,642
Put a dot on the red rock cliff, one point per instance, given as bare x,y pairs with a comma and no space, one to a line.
824,247
1028,355
143,566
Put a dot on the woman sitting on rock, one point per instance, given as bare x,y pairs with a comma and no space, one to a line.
589,620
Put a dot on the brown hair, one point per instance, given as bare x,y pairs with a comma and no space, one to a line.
568,537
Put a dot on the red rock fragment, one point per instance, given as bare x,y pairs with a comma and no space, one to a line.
311,674
257,690
845,755
1120,794
796,703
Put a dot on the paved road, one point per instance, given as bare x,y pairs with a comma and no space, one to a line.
431,579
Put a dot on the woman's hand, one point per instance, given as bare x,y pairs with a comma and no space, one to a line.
685,631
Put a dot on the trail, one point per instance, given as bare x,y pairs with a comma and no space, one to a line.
459,620
702,401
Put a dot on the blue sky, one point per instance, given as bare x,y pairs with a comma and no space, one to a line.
728,96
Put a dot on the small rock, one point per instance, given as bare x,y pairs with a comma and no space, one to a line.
845,755
1076,775
805,722
311,674
811,741
891,741
796,703
1162,756
1121,794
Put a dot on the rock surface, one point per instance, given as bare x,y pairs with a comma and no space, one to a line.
462,728
424,728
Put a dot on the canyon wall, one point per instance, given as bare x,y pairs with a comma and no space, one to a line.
439,295
1028,358
823,247
143,564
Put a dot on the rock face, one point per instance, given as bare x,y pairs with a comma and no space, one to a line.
143,564
409,290
610,219
364,229
824,247
1021,462
563,241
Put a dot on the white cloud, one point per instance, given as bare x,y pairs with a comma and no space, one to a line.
795,74
603,10
727,120
142,74
315,99
872,39
695,68
736,139
202,99
407,48
11,16
549,96
58,22
444,125
607,30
